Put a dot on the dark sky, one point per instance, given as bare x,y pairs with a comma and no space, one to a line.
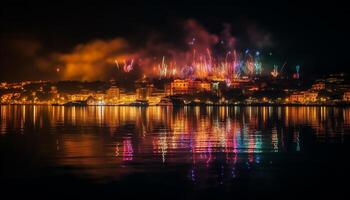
314,35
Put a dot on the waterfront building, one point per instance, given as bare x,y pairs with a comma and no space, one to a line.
144,88
113,93
6,98
310,96
296,97
78,97
180,86
127,98
155,97
303,97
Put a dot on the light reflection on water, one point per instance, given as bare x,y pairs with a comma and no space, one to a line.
110,142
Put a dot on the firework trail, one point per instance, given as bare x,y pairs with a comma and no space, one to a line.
203,65
275,72
127,66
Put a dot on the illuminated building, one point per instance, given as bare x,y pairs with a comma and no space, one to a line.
310,96
167,89
318,86
99,96
336,78
252,90
296,97
143,93
6,98
144,88
303,97
91,101
155,97
126,98
53,90
179,86
201,85
245,83
338,82
78,97
113,93
3,85
346,96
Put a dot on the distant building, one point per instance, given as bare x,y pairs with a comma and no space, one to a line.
85,91
346,96
155,97
126,98
143,93
99,96
318,86
243,83
303,97
113,93
296,97
9,97
3,85
179,86
201,86
338,82
5,98
310,96
53,90
167,89
78,97
144,88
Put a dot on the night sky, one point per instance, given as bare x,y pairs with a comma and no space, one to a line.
314,35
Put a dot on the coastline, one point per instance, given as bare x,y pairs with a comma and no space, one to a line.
340,104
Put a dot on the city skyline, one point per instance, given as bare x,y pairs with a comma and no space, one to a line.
165,99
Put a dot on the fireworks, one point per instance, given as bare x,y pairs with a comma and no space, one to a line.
297,69
275,72
198,55
127,65
203,55
163,68
257,64
204,62
203,65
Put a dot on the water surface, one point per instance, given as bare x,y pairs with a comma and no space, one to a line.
165,152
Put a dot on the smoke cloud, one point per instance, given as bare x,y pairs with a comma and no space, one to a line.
100,59
93,60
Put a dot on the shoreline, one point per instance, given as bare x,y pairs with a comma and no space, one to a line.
203,105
